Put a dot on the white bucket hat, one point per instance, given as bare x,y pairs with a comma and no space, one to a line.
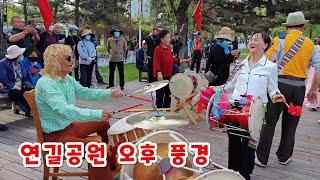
14,51
295,19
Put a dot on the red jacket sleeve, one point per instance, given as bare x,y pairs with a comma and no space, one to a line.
156,62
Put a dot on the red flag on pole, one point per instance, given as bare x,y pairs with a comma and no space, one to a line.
46,12
197,16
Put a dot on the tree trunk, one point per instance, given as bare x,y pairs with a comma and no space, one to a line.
25,10
77,15
182,18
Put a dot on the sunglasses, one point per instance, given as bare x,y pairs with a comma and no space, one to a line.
68,58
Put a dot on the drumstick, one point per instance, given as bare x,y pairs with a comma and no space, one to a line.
126,108
286,104
139,98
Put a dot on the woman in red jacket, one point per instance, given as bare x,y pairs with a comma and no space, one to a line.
163,61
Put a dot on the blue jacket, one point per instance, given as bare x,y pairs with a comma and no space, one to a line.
26,71
7,77
139,61
87,51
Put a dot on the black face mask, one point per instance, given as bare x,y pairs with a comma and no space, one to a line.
13,60
33,59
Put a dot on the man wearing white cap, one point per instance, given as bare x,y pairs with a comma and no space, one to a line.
12,77
293,53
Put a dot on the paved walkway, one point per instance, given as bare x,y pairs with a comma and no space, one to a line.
305,165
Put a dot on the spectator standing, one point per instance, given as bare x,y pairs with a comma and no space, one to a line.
58,31
72,40
117,47
96,42
151,42
176,44
235,44
87,57
47,38
21,35
197,53
221,57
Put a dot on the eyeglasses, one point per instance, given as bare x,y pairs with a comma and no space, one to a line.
68,58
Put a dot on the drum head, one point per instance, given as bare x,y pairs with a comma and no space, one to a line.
221,174
163,136
256,117
121,126
181,85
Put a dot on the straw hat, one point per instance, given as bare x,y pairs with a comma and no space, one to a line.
14,51
86,32
225,33
295,19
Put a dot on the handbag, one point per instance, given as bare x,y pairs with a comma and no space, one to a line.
210,76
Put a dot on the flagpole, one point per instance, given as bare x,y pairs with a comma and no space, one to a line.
139,17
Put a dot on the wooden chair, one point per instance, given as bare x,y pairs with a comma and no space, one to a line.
30,97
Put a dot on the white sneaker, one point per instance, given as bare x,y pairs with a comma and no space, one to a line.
257,162
285,162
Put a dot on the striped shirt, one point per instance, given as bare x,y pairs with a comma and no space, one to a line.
56,102
307,55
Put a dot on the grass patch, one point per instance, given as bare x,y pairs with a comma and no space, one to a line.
131,73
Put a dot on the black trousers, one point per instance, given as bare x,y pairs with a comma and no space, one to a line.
163,99
197,56
241,156
98,75
294,94
150,71
112,68
86,74
17,96
76,73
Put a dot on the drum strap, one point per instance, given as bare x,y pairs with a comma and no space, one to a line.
236,68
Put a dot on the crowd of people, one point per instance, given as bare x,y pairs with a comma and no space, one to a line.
275,71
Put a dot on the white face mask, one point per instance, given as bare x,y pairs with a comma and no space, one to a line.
74,33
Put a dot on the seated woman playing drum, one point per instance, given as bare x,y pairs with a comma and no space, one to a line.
257,77
55,96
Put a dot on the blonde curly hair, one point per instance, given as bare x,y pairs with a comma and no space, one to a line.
52,56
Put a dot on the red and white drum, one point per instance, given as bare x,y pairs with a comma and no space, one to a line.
250,117
121,132
162,138
224,174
